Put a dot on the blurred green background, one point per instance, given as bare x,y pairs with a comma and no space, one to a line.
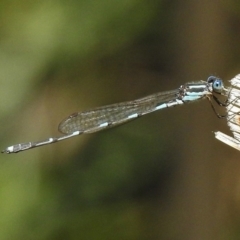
163,176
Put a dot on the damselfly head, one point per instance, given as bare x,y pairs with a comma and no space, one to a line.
217,84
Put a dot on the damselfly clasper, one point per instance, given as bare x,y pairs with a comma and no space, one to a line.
112,115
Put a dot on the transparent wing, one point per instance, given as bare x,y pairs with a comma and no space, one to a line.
100,118
115,114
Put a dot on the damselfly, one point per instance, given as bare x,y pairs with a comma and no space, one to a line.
112,115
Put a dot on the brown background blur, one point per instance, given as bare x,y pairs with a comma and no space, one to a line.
163,176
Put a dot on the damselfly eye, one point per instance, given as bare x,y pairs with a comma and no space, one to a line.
211,79
217,85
